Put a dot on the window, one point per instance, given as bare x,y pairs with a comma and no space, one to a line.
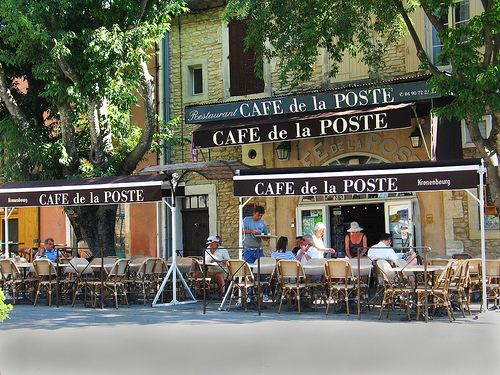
484,128
195,80
243,80
196,201
457,16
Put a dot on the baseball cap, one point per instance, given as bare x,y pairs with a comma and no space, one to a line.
212,239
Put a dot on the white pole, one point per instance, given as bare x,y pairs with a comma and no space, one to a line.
174,253
6,231
482,171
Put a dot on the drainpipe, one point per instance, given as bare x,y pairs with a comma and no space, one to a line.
165,215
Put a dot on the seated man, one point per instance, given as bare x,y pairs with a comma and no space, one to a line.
383,250
307,250
220,255
49,251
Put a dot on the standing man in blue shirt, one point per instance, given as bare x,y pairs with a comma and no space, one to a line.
253,225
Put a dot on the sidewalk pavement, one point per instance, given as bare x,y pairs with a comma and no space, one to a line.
182,340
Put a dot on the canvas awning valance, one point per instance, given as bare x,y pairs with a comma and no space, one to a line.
359,179
84,191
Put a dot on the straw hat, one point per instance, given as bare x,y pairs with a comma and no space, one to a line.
355,227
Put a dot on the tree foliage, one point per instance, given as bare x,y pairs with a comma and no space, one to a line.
69,73
4,307
294,33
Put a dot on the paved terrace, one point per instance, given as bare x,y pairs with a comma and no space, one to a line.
182,340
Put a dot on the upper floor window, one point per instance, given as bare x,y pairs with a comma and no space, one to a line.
484,128
456,17
195,79
243,80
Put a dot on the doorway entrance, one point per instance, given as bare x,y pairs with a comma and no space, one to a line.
195,231
370,217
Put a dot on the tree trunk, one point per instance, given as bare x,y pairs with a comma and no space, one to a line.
96,226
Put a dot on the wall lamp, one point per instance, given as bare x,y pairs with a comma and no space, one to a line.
416,138
283,150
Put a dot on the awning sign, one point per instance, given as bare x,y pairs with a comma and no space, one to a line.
318,102
79,192
317,125
357,182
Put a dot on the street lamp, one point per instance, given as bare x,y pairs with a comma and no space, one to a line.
283,150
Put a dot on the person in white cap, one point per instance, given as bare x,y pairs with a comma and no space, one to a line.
355,241
219,255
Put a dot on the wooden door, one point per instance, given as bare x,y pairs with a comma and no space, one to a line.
195,231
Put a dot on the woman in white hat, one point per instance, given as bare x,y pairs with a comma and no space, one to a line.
355,241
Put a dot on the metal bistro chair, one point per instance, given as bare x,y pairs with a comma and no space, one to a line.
492,282
114,283
293,282
395,293
239,269
80,272
142,280
339,282
14,281
459,284
47,278
439,293
196,278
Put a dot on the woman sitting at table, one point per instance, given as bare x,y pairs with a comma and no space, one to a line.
281,251
84,253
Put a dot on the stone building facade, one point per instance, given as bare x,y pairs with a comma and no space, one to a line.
198,54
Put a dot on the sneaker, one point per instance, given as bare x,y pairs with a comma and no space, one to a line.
265,298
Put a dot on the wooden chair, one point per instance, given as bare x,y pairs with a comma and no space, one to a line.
293,282
242,280
339,282
47,278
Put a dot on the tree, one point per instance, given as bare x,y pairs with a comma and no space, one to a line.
294,33
4,307
69,72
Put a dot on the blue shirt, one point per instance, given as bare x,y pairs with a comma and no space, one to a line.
251,224
285,255
49,254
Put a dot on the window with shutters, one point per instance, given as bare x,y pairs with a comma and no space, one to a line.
243,80
458,16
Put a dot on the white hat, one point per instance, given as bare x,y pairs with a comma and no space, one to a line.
212,239
319,225
355,227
